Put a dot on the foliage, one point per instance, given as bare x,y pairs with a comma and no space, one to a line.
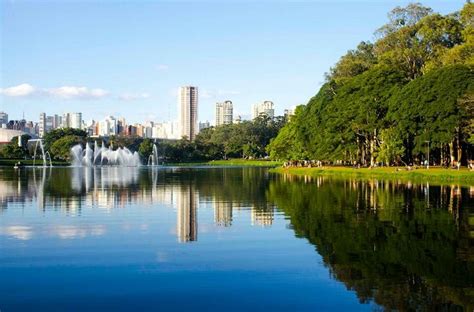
61,148
146,148
427,109
56,134
391,147
13,151
383,102
247,139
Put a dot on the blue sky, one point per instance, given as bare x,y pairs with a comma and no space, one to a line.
127,58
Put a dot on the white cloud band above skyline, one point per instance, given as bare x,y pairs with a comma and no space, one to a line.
64,92
23,89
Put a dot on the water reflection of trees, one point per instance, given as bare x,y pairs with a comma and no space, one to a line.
405,246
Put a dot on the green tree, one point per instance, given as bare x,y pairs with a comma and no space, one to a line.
61,148
56,134
146,148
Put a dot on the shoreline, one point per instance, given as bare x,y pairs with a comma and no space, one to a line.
434,175
211,163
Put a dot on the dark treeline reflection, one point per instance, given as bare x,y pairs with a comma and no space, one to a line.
407,247
404,246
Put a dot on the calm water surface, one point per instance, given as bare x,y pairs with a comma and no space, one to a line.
230,239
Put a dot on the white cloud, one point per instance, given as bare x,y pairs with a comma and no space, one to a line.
64,92
23,89
162,67
72,92
133,97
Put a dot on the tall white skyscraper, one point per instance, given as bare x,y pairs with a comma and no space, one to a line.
72,120
42,125
3,118
188,110
76,120
265,108
224,113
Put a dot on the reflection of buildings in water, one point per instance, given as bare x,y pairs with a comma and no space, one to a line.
223,213
262,216
186,203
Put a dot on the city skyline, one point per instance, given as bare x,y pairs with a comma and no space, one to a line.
186,126
84,66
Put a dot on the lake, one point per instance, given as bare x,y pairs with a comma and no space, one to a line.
230,239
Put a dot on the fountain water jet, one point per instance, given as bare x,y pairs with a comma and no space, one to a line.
43,154
153,158
89,157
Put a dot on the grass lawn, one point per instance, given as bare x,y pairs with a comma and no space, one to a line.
440,175
245,162
230,162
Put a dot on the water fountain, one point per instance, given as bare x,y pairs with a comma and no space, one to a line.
153,158
103,156
43,153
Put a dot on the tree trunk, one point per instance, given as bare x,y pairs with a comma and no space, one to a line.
459,148
451,153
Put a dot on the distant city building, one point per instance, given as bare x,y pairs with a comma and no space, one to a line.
57,120
76,120
238,119
167,130
6,135
3,119
204,125
72,120
140,129
42,125
224,113
108,126
289,112
188,111
265,108
121,126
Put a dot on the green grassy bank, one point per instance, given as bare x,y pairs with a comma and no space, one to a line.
435,175
230,162
245,162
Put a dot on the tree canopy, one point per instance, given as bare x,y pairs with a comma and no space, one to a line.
391,100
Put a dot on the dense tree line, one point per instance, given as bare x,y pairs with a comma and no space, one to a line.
247,139
393,101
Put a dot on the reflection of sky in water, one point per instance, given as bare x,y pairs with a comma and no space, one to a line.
141,239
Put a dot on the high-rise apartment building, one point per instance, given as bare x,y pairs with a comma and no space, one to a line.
56,121
72,120
42,125
188,110
3,118
108,126
265,108
76,120
224,113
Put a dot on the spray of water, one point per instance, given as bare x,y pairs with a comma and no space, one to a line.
103,156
